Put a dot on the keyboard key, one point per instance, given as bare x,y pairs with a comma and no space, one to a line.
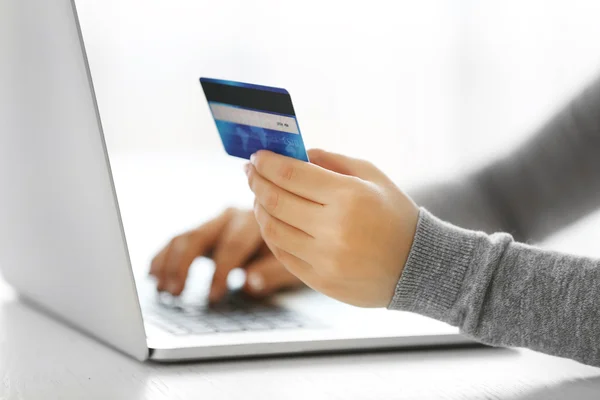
284,324
227,326
255,325
234,314
170,327
200,329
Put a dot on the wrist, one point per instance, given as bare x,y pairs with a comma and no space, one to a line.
435,269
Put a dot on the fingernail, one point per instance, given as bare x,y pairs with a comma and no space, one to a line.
253,158
172,287
256,282
247,168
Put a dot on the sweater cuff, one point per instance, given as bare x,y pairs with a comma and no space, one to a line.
435,270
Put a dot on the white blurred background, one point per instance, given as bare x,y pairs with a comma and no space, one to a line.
397,82
425,89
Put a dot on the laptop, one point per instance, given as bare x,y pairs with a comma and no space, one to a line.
64,249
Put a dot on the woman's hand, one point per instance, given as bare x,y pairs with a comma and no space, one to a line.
337,223
232,240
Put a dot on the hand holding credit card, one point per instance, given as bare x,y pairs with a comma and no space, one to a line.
250,118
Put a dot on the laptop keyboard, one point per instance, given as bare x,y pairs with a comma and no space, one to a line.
235,314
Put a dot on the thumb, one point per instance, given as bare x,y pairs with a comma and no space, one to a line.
346,165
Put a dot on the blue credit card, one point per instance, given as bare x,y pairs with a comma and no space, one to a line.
250,118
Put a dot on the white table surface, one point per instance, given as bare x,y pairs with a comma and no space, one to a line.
43,359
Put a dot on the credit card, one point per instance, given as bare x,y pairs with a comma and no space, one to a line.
251,117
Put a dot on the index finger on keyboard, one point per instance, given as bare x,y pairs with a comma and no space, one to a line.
240,240
171,267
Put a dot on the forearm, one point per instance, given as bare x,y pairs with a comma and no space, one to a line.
501,292
462,203
547,183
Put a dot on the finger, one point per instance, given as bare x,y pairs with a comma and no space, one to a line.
183,249
267,275
238,243
346,165
301,178
264,250
297,267
156,268
283,205
283,236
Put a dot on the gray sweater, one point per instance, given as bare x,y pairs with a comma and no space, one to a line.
495,289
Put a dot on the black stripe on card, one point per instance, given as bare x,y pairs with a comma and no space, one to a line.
262,100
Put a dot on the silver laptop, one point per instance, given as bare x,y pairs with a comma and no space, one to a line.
62,242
